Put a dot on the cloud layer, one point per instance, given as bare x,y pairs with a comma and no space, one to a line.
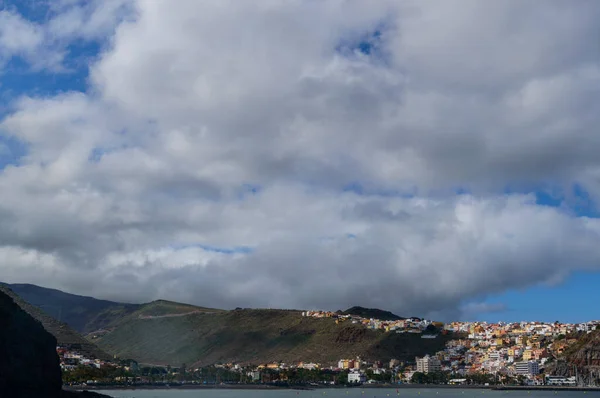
307,154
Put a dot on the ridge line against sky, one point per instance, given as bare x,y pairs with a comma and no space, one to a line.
424,157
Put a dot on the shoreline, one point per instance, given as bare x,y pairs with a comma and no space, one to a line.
544,388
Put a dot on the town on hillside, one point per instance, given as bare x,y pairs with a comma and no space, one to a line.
477,353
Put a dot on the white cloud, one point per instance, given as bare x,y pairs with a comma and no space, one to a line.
88,20
17,35
44,44
195,101
473,310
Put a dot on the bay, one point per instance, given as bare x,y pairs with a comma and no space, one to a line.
350,393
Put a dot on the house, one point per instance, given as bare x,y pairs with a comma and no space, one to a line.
309,366
254,375
356,377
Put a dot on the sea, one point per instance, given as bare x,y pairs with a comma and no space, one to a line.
350,393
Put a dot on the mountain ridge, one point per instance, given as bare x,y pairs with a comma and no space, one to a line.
374,313
83,313
255,336
164,332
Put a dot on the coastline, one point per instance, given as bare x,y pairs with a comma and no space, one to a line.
187,387
544,388
323,387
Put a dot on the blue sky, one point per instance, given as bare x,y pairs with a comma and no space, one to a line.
574,300
301,134
19,78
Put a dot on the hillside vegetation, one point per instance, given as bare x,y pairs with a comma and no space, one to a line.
205,336
168,333
170,308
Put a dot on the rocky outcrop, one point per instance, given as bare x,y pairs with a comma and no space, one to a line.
29,365
582,359
587,351
64,334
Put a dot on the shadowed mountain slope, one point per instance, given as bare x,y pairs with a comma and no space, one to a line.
84,314
165,332
63,333
29,365
372,313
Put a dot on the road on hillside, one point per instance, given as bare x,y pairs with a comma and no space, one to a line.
173,315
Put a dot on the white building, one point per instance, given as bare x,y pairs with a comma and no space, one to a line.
254,375
527,368
309,366
428,364
561,381
356,377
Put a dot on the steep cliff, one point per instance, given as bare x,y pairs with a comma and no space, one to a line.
586,352
29,365
581,359
63,333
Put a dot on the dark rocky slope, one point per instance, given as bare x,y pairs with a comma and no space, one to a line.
581,359
372,313
64,334
29,365
83,314
585,356
586,353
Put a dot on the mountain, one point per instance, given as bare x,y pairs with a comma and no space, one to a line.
63,333
84,314
29,365
164,332
181,334
372,313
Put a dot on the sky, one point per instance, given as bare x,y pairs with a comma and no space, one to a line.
432,158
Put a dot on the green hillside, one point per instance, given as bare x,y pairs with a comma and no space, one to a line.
63,333
204,337
165,332
170,308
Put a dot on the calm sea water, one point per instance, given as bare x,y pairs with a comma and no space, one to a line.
351,393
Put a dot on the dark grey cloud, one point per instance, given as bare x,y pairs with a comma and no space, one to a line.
128,190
